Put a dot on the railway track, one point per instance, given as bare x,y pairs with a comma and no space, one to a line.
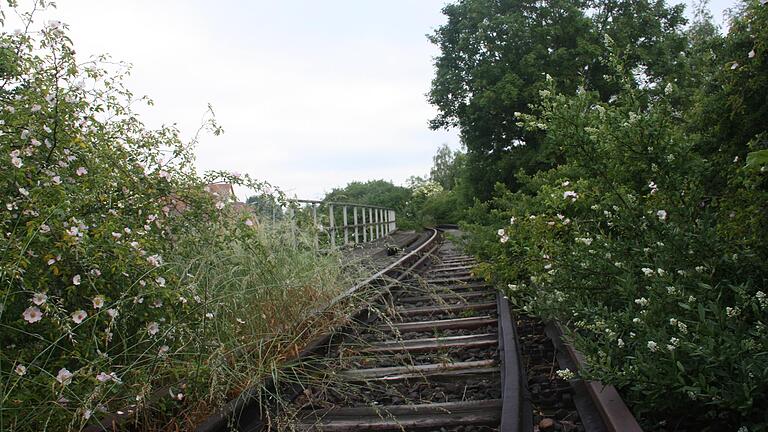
436,350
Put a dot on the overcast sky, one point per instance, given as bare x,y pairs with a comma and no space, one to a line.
311,94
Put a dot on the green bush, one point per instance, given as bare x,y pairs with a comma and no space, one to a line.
119,273
660,278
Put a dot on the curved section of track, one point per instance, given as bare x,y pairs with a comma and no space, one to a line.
434,349
439,354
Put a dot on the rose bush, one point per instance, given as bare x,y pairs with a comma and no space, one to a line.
652,252
119,272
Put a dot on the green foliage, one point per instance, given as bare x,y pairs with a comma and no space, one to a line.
659,271
495,57
119,273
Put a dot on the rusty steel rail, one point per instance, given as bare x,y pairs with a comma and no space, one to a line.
245,413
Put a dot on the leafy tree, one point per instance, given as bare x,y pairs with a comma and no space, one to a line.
495,56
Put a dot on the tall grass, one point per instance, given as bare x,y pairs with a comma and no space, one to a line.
257,310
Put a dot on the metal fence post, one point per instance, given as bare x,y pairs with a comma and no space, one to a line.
370,222
354,217
332,227
315,228
346,226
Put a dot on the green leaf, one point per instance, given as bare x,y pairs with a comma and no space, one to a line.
757,159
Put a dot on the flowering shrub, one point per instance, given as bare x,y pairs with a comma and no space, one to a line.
660,278
108,241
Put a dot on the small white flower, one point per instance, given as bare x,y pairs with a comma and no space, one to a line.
642,301
32,314
153,328
20,370
209,315
249,223
751,54
78,316
64,376
81,171
76,280
45,229
219,205
164,174
23,191
39,298
504,239
160,281
653,346
512,220
636,320
648,272
570,194
155,260
158,303
116,235
661,272
585,240
662,215
112,313
501,232
732,312
620,343
16,161
56,180
103,377
565,374
734,65
95,272
163,350
98,302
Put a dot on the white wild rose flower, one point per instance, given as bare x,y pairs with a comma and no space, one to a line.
64,376
153,328
39,298
78,316
32,314
570,194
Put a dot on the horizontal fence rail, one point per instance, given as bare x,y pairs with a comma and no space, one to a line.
345,223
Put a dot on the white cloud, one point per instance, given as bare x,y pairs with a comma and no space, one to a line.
311,95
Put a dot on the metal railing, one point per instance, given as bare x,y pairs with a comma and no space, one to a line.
346,223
